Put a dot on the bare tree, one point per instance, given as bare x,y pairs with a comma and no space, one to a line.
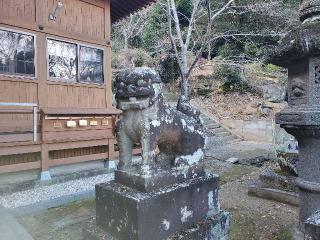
131,27
184,40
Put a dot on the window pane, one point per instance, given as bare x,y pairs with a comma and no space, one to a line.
16,53
62,60
91,65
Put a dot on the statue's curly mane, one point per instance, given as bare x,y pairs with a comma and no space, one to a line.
137,84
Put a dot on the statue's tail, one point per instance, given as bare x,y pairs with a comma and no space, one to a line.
185,107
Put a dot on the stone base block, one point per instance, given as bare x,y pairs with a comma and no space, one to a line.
312,227
158,178
297,234
126,213
273,194
275,187
216,228
45,176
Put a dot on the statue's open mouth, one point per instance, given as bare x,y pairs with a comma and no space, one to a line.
133,103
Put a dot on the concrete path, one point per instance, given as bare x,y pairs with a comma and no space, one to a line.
10,229
243,151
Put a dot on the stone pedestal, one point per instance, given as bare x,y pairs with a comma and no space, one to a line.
169,212
312,227
158,178
210,229
167,195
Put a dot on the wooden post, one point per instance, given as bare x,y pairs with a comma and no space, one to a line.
111,143
45,164
42,84
107,56
45,174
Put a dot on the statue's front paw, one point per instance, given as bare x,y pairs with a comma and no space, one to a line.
124,167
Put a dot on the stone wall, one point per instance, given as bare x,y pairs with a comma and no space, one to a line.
251,130
258,131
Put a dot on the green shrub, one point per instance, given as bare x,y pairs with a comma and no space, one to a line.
283,80
252,50
229,50
231,79
139,58
131,58
117,61
270,68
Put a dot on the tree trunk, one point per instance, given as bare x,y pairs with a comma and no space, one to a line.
184,87
184,74
125,36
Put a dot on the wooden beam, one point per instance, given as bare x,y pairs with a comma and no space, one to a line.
55,137
20,167
23,137
81,111
70,145
78,159
19,150
16,111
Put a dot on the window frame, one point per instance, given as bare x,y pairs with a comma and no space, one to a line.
78,44
19,75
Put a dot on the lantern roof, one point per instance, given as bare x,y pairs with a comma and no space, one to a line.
303,41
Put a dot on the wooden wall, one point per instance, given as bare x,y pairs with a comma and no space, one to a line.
71,96
84,18
18,91
24,10
84,22
81,21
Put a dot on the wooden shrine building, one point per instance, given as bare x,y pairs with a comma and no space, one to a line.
55,82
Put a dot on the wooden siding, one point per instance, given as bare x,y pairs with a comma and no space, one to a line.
78,17
71,96
24,10
85,22
16,123
18,91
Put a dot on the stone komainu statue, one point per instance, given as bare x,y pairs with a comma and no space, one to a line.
168,137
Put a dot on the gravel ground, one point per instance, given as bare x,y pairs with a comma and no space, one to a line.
254,218
46,193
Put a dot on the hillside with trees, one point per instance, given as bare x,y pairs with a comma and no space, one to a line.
210,51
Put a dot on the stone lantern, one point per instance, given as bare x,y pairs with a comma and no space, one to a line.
299,52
